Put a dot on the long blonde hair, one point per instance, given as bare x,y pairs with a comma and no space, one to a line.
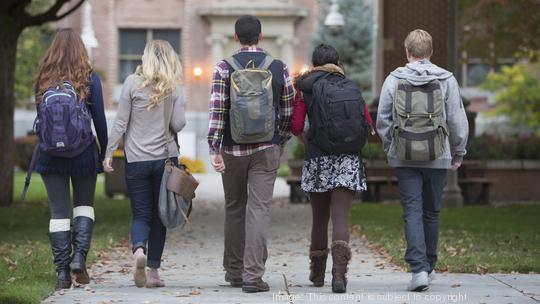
161,69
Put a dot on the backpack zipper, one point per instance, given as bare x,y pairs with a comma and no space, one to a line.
56,94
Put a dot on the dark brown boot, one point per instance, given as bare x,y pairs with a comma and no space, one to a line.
341,255
257,286
317,266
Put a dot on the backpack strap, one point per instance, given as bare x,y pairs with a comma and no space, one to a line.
234,63
267,61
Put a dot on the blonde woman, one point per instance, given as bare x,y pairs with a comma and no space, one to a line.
140,121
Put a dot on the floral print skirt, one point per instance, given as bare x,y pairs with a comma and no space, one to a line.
324,173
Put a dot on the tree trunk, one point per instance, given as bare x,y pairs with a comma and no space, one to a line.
8,51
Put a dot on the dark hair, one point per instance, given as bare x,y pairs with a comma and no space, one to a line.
248,29
323,54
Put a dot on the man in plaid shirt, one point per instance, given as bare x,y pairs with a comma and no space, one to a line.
248,170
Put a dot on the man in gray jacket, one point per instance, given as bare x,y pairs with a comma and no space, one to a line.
422,123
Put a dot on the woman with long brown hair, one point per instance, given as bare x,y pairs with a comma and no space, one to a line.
68,99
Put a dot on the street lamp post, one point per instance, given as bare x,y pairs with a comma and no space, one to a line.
88,37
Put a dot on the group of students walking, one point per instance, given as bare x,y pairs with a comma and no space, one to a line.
255,106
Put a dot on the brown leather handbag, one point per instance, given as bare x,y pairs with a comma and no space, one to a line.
177,185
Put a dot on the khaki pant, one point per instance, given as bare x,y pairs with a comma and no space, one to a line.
248,183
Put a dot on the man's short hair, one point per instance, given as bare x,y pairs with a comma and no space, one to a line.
419,44
248,29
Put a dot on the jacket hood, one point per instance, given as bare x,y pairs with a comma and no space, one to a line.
330,68
305,81
421,72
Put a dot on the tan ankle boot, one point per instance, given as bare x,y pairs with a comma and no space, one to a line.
139,273
152,279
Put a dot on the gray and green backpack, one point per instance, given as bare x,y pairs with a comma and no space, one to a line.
252,114
420,128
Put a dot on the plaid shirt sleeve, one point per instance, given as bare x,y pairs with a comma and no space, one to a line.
286,107
219,105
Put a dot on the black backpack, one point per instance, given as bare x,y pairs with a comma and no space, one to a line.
338,124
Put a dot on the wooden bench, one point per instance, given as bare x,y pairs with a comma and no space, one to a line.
296,195
485,183
374,185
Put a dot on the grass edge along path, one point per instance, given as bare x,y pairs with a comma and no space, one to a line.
473,239
27,274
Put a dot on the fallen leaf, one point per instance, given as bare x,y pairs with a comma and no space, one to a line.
11,264
481,269
11,280
195,293
456,285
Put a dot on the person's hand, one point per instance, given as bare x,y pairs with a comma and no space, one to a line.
456,165
107,165
218,163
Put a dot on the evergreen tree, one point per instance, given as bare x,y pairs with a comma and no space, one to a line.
353,41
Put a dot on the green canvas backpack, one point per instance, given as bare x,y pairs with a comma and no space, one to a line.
252,113
420,129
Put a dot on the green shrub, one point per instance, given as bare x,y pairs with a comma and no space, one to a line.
284,171
299,151
488,147
373,151
517,94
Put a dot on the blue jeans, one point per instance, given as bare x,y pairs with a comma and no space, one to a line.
420,191
143,180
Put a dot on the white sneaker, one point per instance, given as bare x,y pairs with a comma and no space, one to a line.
431,276
419,282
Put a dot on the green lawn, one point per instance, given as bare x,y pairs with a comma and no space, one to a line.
26,270
472,239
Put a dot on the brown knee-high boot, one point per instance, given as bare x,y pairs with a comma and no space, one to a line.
317,266
341,255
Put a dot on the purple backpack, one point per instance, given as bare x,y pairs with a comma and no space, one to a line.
63,123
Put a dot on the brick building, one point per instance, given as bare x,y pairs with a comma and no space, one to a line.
201,31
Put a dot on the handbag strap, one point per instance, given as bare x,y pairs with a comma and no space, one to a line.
167,107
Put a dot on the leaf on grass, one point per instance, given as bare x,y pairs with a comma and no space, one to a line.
481,269
11,264
11,280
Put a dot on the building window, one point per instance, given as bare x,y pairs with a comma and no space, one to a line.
132,43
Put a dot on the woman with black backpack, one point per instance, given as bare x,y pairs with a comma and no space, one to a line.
68,99
333,170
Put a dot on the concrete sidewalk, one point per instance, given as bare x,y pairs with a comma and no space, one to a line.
193,273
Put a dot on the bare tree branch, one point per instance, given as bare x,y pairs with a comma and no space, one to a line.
51,13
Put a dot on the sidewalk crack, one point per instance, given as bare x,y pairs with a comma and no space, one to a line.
287,289
514,288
